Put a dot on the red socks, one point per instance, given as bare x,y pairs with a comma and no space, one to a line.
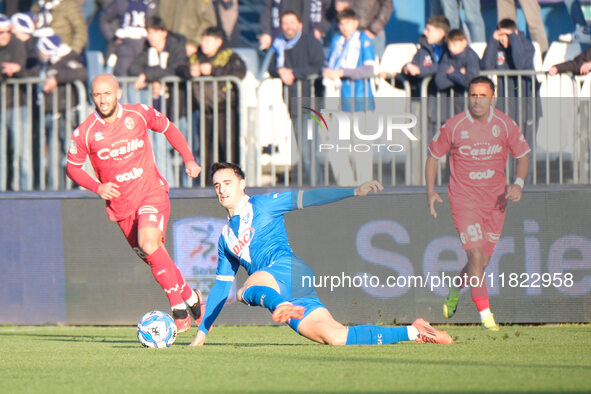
186,291
480,297
168,277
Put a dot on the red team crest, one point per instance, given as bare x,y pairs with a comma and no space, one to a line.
129,123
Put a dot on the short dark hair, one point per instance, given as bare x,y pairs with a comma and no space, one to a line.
215,167
290,12
507,24
347,13
482,79
214,31
440,22
456,35
155,22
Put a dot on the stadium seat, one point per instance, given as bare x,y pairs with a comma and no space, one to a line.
537,57
250,57
396,56
250,81
274,125
585,90
478,47
556,131
560,52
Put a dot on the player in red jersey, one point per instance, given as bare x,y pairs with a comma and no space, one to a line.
478,141
116,140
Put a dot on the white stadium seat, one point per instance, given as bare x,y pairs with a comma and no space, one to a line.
478,47
396,56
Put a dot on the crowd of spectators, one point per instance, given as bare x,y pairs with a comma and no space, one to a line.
335,39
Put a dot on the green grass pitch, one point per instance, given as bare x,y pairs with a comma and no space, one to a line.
54,359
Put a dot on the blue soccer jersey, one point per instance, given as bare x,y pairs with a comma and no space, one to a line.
256,238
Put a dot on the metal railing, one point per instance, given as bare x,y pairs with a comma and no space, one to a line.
204,121
34,134
36,131
271,133
547,114
285,117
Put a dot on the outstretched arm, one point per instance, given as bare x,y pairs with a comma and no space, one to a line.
215,302
178,142
323,196
225,274
281,203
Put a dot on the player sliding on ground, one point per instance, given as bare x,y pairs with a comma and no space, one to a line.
478,141
115,138
255,238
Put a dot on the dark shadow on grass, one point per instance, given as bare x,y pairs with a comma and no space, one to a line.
451,363
250,344
70,338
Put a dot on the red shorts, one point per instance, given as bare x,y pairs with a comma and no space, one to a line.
479,227
153,211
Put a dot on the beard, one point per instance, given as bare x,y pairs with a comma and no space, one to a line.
107,114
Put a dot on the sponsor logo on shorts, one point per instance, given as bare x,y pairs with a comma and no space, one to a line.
243,240
128,176
493,237
153,218
122,149
463,237
482,174
146,209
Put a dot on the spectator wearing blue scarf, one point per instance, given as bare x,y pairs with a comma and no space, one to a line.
298,55
350,61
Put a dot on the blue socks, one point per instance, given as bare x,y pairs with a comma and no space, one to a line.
262,296
376,335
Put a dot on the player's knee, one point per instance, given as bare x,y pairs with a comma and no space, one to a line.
148,246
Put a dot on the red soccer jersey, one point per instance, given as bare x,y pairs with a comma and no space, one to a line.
478,156
121,152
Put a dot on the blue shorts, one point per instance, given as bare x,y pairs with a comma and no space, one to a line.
288,274
311,304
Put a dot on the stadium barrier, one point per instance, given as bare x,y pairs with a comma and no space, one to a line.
382,259
551,115
260,133
293,127
34,131
37,155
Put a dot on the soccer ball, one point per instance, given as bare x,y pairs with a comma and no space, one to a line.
156,329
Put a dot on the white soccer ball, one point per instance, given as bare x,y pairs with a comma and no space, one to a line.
156,329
